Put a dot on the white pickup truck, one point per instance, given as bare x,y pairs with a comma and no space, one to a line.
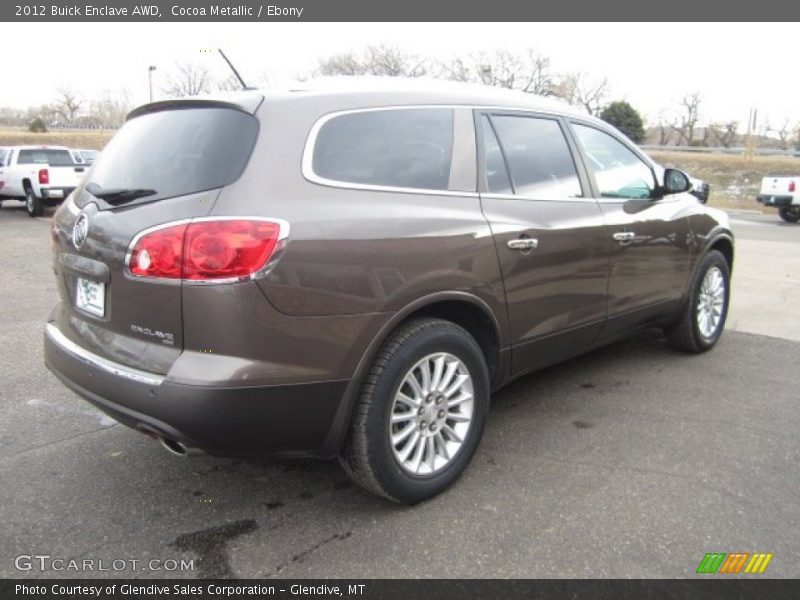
38,175
783,193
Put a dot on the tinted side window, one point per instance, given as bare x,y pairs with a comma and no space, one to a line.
618,171
497,180
538,157
409,148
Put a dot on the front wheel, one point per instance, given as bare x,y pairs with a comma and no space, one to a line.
33,204
705,310
420,414
790,214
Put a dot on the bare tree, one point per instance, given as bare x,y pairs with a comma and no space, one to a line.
188,79
382,60
784,133
686,121
664,133
725,134
528,72
67,104
229,84
110,109
578,89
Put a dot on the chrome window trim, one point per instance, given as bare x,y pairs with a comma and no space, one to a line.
584,199
308,150
67,345
311,141
283,235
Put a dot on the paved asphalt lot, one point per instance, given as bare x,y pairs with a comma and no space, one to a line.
633,461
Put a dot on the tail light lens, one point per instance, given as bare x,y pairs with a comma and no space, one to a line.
791,186
208,250
44,177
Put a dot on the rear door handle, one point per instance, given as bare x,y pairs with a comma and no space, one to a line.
523,244
624,236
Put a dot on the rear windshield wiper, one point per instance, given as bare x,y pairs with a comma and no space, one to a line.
115,196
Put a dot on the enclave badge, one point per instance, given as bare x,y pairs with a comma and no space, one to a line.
80,231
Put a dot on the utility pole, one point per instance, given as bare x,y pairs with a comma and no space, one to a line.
750,141
150,70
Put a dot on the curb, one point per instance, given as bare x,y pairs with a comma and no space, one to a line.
743,211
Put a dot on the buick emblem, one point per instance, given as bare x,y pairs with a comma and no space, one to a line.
80,231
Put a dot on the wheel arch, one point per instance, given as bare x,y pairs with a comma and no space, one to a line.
464,309
723,243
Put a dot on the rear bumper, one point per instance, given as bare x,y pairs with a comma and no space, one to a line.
56,194
769,200
293,419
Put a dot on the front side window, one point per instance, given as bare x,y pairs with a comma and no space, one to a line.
538,157
405,148
618,171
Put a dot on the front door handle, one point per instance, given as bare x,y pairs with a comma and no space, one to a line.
523,244
624,236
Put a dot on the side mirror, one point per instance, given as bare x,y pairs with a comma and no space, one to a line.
676,181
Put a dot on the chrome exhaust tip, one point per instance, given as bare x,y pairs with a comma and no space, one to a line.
173,447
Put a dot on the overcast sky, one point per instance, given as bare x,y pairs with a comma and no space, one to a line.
733,66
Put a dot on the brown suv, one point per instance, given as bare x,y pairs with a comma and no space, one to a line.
352,272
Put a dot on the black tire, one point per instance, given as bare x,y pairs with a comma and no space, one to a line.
368,456
33,204
790,214
685,334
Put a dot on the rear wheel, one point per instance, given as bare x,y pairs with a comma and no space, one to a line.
33,204
420,414
790,214
703,317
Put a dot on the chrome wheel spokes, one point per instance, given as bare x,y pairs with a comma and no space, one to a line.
431,413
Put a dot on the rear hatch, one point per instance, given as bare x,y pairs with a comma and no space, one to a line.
167,163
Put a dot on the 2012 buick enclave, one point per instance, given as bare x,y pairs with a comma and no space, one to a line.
351,271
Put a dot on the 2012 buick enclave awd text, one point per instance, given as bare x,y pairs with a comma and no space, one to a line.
352,272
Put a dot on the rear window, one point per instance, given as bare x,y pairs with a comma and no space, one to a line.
177,152
54,158
408,148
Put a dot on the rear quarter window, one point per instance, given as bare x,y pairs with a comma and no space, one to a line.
395,148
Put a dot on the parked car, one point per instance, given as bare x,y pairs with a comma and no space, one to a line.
39,175
781,192
3,157
352,272
85,156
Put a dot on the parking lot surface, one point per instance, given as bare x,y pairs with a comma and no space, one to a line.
631,461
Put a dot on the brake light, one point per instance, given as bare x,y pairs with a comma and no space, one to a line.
791,186
207,250
44,177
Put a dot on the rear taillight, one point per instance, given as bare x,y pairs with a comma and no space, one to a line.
791,186
44,177
207,250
